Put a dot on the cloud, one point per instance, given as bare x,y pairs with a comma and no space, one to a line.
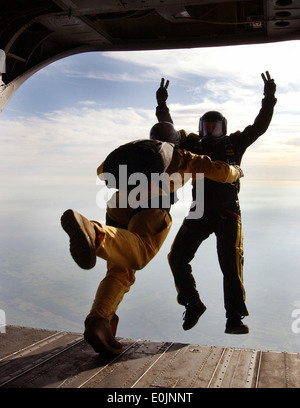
71,142
98,66
106,76
67,143
243,63
233,69
66,146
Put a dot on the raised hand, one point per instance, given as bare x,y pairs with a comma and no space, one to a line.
270,86
162,93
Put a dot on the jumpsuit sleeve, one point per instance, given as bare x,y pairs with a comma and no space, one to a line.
163,113
259,127
185,162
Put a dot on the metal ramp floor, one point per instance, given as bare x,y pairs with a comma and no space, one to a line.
35,358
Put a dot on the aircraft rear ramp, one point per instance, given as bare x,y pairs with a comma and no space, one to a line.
35,358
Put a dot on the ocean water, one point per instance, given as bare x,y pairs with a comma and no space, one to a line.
41,286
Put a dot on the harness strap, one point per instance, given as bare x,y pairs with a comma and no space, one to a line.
230,157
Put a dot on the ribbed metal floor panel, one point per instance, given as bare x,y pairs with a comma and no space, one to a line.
33,358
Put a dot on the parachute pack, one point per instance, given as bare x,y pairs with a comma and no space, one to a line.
141,156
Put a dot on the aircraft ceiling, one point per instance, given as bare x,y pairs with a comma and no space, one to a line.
37,32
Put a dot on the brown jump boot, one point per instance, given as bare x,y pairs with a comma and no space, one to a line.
83,238
98,333
114,324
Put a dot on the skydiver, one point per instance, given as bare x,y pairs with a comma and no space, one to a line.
132,236
222,215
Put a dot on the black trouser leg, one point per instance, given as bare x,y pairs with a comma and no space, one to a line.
189,237
231,259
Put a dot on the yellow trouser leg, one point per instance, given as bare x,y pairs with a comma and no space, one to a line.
135,247
111,291
124,249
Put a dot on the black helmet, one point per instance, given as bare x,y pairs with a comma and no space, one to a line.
215,131
165,132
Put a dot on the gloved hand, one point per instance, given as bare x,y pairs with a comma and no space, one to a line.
241,173
270,86
162,93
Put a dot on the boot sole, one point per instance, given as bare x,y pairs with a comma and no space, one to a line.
237,331
82,239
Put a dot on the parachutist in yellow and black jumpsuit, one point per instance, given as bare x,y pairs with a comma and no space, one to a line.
222,214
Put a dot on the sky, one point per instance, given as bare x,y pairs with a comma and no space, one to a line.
90,103
63,121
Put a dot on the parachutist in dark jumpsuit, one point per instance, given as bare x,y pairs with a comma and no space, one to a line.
222,214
